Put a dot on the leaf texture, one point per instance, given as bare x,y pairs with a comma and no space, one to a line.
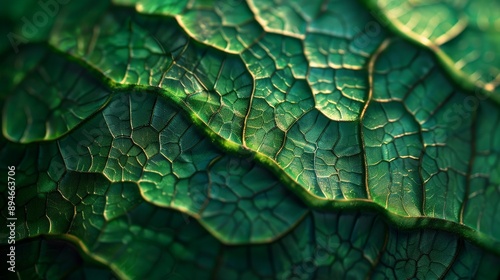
254,140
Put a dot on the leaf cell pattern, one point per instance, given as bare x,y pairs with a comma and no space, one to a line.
255,139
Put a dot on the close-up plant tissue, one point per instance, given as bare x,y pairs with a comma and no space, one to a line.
257,139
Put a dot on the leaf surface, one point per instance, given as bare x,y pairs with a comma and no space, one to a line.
304,138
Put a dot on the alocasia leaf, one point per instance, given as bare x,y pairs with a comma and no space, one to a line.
254,140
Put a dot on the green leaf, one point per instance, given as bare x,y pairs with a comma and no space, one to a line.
52,98
140,138
254,140
465,35
47,258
